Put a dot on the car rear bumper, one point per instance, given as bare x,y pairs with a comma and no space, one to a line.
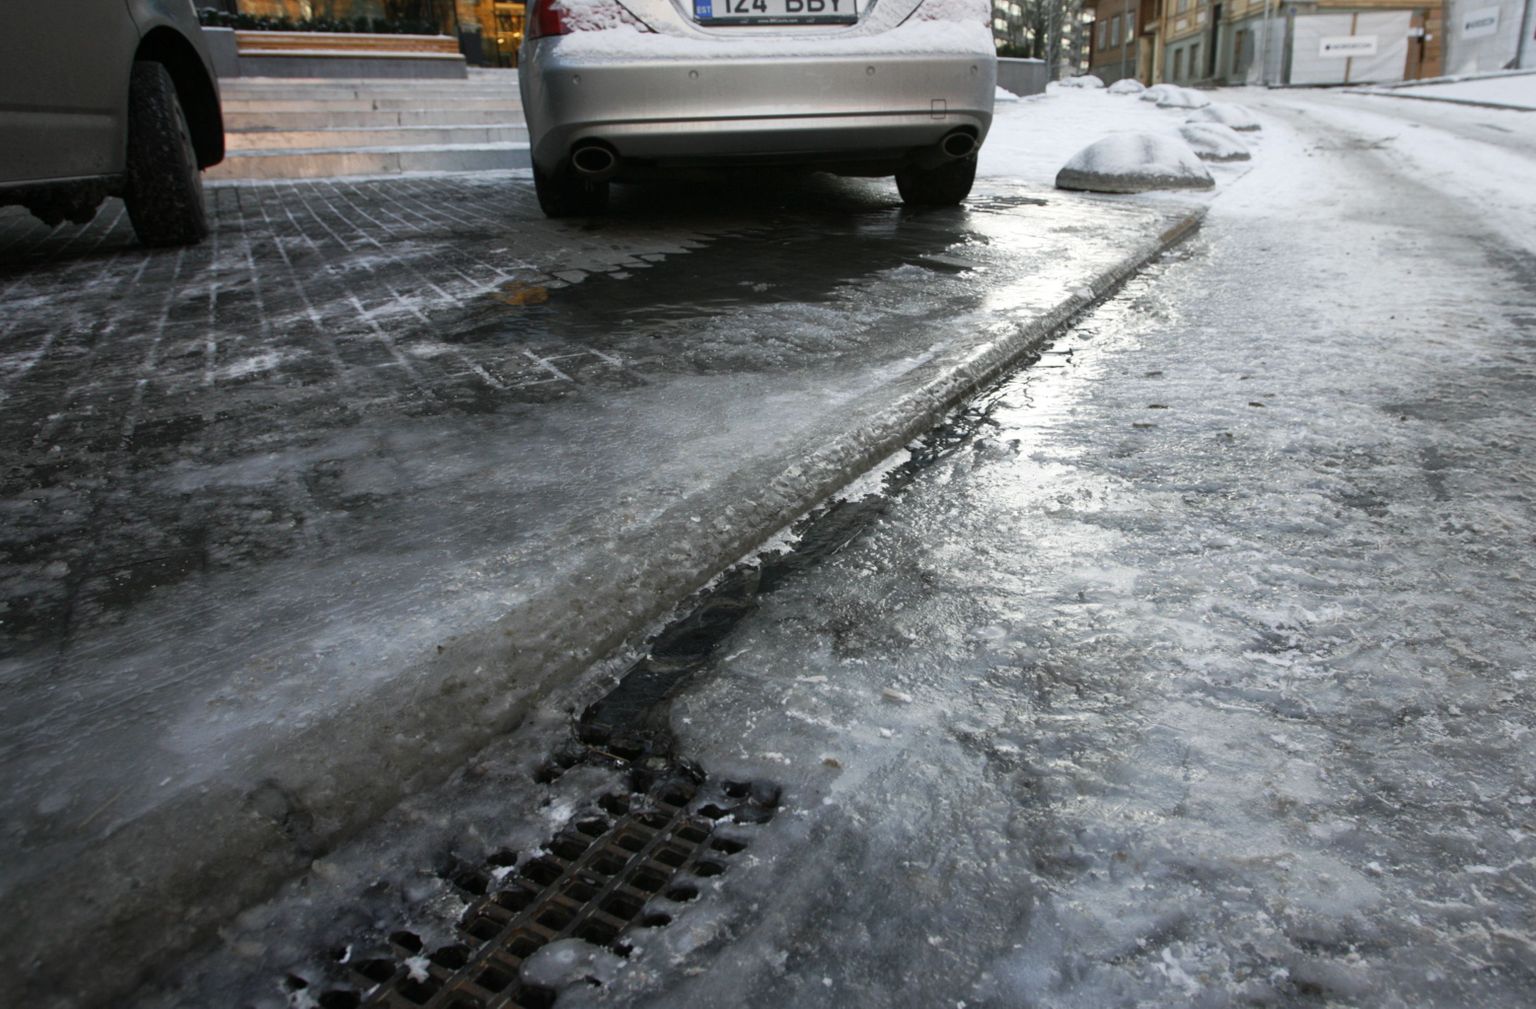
812,109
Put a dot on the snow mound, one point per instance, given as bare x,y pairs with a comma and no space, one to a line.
1232,116
1126,86
1085,81
1214,142
1134,163
1182,98
1157,92
1004,95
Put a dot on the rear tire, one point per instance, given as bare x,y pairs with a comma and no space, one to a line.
944,186
567,194
163,186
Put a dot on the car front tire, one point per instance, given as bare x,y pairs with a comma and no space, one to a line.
163,186
943,186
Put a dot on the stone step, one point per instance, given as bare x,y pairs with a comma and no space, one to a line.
325,163
369,104
359,86
422,95
378,136
323,118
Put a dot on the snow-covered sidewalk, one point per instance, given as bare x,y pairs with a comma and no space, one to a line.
1510,90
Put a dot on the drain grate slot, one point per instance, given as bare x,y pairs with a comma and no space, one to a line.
596,879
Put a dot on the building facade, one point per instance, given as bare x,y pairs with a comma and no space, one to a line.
489,31
1121,40
1277,42
1484,35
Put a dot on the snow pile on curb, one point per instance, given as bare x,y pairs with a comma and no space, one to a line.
1182,98
1134,163
1126,86
1214,142
1157,92
1032,139
1086,81
1232,116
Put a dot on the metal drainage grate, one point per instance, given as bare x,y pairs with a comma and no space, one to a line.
596,878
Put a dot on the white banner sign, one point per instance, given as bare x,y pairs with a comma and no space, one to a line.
1480,24
1343,46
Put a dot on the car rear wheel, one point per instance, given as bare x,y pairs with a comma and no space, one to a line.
567,194
163,187
943,186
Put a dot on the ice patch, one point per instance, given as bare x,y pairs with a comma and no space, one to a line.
570,961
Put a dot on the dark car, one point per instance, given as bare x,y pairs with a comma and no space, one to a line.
104,98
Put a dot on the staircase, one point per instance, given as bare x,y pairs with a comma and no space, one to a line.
286,128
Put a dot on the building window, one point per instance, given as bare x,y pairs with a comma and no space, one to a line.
1114,30
1130,27
1103,42
1178,66
1181,6
1194,61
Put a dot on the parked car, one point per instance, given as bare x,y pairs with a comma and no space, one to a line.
628,89
104,98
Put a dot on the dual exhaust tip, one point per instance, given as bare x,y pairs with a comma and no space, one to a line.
598,162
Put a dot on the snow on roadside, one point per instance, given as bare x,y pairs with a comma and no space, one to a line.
1514,90
1033,138
1491,180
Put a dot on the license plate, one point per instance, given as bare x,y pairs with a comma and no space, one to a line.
775,12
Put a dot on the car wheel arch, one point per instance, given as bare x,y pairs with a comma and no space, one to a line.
195,90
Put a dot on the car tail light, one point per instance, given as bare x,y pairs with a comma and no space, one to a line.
547,19
562,17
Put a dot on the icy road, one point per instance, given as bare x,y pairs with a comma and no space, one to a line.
1217,636
1192,668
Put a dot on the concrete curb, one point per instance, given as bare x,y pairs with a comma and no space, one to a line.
162,884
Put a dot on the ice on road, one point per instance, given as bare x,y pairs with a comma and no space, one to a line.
1216,639
1199,674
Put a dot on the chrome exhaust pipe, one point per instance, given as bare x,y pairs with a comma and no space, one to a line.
595,161
956,144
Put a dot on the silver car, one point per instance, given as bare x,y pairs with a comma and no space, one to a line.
106,98
627,89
